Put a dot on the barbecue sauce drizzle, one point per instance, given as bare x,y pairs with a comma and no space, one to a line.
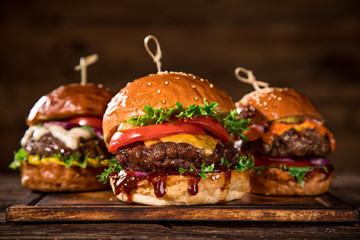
126,181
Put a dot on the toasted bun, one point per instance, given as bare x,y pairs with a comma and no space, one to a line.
52,177
70,101
212,190
270,104
275,181
162,90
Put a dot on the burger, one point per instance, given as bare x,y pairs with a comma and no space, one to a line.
171,133
63,148
288,141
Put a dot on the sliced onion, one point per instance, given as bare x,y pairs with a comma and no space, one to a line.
313,161
66,125
317,161
133,173
98,131
279,159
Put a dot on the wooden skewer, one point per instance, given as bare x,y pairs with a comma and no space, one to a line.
83,64
158,54
250,78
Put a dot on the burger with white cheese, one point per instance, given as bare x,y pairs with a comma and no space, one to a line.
172,135
288,141
63,149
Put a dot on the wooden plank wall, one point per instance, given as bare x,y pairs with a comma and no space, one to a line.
312,46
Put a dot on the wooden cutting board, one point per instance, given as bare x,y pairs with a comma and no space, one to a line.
103,206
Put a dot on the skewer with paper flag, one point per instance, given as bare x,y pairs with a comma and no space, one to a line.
83,64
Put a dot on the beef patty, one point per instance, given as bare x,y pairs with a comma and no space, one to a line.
49,145
292,143
171,156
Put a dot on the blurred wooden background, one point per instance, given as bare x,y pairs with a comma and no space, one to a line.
312,46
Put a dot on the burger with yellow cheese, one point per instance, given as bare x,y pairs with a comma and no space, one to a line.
63,149
288,141
172,135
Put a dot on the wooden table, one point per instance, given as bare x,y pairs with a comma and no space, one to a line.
344,186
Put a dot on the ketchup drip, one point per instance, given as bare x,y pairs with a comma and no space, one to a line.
193,182
126,181
158,178
227,172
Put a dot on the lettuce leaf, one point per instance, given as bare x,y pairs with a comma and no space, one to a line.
298,172
113,166
19,157
232,123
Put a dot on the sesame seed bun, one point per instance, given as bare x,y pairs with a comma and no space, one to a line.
162,90
270,104
70,101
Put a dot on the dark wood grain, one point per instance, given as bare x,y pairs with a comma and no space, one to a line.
102,206
345,184
180,230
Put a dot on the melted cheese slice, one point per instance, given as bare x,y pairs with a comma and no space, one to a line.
279,128
203,142
71,137
91,162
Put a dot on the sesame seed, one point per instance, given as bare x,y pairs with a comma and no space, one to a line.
265,104
279,98
100,86
163,101
159,91
204,99
274,105
149,83
177,77
266,109
196,98
193,86
201,79
211,85
166,83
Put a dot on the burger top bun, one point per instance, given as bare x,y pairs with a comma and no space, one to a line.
162,90
268,104
70,101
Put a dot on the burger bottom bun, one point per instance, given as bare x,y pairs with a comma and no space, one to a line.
211,190
275,181
52,177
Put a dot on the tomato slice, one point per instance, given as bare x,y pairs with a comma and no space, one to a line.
263,162
210,124
126,137
83,121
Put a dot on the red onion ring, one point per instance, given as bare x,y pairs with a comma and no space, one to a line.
313,161
66,125
317,161
98,131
